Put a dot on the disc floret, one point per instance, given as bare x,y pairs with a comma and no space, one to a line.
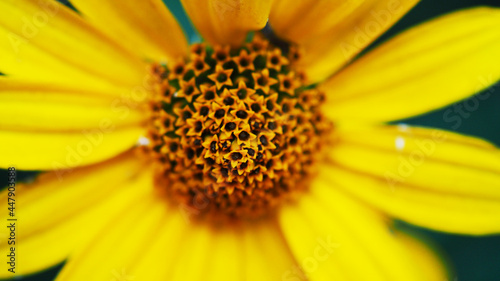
238,126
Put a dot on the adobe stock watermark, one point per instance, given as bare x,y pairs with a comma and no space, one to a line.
323,250
31,25
378,22
91,139
409,161
464,109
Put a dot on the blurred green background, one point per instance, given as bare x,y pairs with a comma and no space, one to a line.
470,258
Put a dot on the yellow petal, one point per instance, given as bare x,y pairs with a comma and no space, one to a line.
226,260
332,235
148,24
49,29
332,33
267,257
30,63
68,186
255,250
57,216
113,252
227,21
28,106
425,68
302,240
429,158
425,257
427,177
60,151
195,254
163,250
251,251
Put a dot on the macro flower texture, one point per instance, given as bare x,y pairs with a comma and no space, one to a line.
269,150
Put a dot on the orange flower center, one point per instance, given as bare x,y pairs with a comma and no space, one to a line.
234,131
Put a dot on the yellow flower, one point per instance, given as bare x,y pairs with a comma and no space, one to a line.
239,160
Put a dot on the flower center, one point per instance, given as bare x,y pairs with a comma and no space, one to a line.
234,131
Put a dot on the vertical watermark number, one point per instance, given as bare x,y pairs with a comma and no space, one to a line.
11,219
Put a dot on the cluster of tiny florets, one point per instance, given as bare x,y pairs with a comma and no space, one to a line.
237,126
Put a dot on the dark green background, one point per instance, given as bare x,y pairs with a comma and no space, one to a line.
470,258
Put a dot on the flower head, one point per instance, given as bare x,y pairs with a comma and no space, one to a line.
263,159
245,152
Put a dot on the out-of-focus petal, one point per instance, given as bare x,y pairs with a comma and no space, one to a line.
46,41
425,257
424,68
45,107
144,27
332,235
59,151
331,33
227,22
60,211
427,177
